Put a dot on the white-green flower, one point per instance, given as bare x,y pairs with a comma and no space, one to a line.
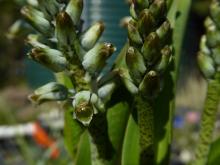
85,105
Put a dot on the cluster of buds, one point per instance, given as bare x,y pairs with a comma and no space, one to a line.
61,46
149,51
209,54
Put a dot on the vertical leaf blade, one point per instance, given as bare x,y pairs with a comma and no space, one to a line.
72,132
130,151
117,117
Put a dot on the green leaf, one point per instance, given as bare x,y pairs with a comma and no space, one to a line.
130,150
214,153
117,117
72,132
178,16
165,104
163,124
84,151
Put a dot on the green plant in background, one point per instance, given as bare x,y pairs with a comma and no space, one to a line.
122,116
209,63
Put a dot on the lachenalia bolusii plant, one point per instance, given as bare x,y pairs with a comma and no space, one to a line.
141,68
62,46
209,64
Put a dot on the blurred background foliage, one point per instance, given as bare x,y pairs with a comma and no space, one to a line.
19,75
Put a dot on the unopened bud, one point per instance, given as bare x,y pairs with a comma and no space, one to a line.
127,80
135,63
206,65
74,9
134,34
150,85
66,36
146,22
65,31
203,45
213,38
91,35
158,9
209,24
95,59
165,59
49,7
163,31
150,48
52,91
215,12
50,58
105,91
37,20
141,4
33,40
133,12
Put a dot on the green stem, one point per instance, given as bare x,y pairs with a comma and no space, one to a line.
208,121
146,128
98,129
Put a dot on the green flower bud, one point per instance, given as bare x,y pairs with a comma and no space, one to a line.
158,9
91,35
165,59
146,22
49,92
127,80
215,12
65,31
216,55
209,24
33,40
50,58
105,91
135,63
49,7
67,37
163,31
213,38
206,65
133,34
150,48
74,9
95,59
33,3
150,85
141,4
37,20
203,47
85,104
133,12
